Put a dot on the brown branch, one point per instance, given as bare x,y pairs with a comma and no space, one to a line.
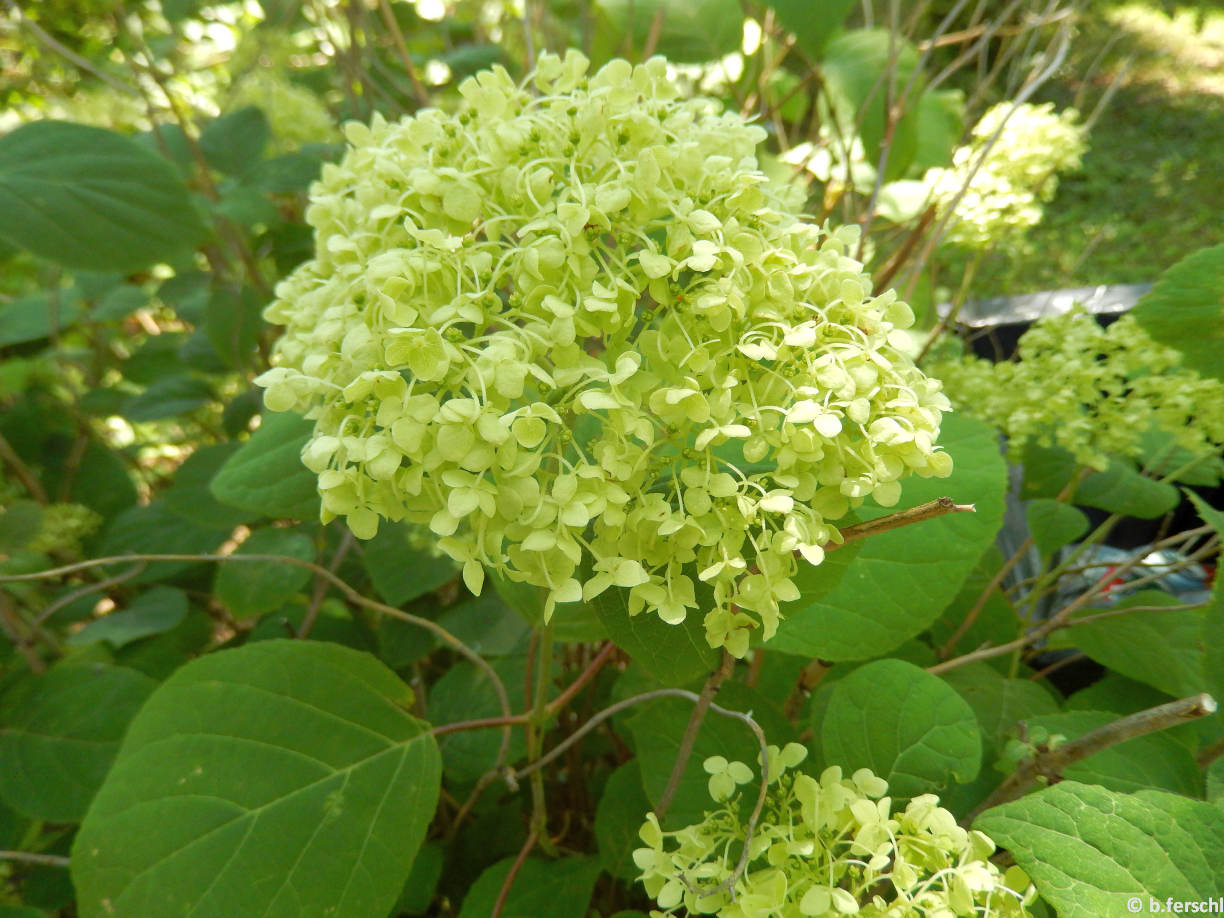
22,472
512,873
401,49
941,506
1051,763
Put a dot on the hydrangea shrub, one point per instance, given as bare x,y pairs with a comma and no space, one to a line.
824,847
572,329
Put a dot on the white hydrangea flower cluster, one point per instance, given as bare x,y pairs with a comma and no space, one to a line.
1093,391
295,114
1020,173
826,848
570,328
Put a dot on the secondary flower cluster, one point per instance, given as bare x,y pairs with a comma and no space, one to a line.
823,848
571,328
1093,391
1019,171
295,114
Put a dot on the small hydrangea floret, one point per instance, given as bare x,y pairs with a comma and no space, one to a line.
573,330
824,848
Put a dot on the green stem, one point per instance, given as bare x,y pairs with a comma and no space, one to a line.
536,726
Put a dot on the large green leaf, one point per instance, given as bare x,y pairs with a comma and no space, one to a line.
267,476
673,654
541,889
1150,762
621,811
1213,615
37,316
658,728
909,727
60,733
254,587
1162,649
90,198
902,580
285,779
1092,852
1185,310
999,702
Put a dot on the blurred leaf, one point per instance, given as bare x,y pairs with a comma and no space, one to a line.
291,172
1184,310
1213,616
153,612
19,524
232,323
167,397
191,497
1054,524
233,142
907,726
37,316
61,732
254,587
267,476
153,529
282,778
689,31
811,24
90,198
119,302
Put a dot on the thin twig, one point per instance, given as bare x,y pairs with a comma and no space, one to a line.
1051,763
70,598
397,38
29,857
67,53
22,471
941,506
319,590
512,873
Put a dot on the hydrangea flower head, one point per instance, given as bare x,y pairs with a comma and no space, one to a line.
571,329
826,847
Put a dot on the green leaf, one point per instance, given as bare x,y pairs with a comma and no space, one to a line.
403,569
153,529
1184,310
291,172
285,779
255,587
1213,615
999,702
1153,761
941,121
1054,524
232,323
167,397
19,524
90,198
689,31
657,728
1121,489
997,621
541,889
266,475
571,621
190,497
153,612
465,693
673,654
486,624
61,732
909,727
621,811
37,316
422,883
903,580
812,25
119,302
234,142
1161,649
864,71
1090,850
